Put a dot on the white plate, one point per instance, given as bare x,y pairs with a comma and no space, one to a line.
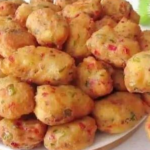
101,139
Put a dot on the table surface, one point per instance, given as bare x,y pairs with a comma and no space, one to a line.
138,141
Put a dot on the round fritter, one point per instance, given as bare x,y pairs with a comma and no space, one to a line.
62,104
81,28
41,65
50,29
137,73
128,29
40,1
8,7
118,80
76,135
12,37
118,112
93,78
22,134
117,9
25,10
105,21
145,40
90,7
111,47
16,98
134,16
63,3
147,127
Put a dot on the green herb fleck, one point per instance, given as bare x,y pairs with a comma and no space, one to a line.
133,117
136,59
112,40
67,112
7,136
2,102
55,130
52,144
11,90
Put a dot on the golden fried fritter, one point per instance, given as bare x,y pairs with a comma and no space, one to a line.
9,7
16,98
22,134
116,9
81,28
25,10
50,29
41,65
137,73
76,135
118,112
62,104
128,29
107,45
13,36
93,78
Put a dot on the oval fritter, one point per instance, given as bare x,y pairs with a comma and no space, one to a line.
76,135
93,78
21,133
62,104
41,65
137,73
16,98
118,112
50,29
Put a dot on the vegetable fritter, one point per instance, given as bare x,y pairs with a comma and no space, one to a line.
62,104
21,133
40,65
93,78
50,29
107,45
137,73
81,28
76,135
16,98
118,112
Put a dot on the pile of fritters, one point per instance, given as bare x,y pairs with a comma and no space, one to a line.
69,68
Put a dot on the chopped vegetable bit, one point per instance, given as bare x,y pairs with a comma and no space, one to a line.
11,89
68,112
112,47
136,59
15,144
82,126
7,136
133,117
